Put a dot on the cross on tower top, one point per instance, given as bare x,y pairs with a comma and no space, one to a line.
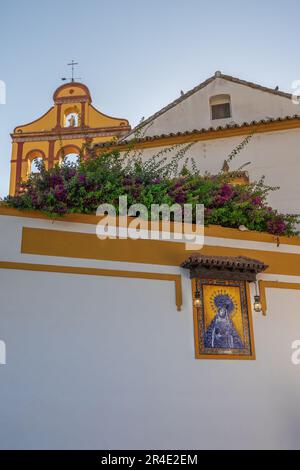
72,78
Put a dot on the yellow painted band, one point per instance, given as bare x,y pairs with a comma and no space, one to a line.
210,231
263,285
87,246
167,141
176,278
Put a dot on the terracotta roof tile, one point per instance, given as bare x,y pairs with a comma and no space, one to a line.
186,95
227,262
124,141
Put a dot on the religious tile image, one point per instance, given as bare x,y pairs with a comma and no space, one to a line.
223,328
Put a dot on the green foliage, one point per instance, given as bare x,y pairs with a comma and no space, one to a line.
157,180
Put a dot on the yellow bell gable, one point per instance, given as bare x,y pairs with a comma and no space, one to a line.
64,129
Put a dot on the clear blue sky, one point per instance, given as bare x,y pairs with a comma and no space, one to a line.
136,55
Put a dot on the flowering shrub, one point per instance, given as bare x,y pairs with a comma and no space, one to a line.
102,179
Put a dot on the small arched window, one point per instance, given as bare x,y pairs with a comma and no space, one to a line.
71,120
34,159
71,117
71,159
69,154
220,107
35,165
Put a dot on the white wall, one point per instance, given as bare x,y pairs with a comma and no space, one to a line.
87,368
247,104
275,155
108,363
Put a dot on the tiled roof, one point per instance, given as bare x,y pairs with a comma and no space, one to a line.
224,262
186,95
125,141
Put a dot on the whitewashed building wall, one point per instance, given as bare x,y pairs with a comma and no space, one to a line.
108,363
247,104
275,155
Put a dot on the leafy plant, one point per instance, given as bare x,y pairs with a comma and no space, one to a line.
98,179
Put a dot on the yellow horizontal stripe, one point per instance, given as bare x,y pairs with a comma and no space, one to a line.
210,231
176,278
87,246
263,285
209,134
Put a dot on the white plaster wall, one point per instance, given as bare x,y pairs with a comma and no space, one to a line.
247,104
275,155
96,362
87,368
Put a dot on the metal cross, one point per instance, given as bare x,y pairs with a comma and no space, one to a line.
72,79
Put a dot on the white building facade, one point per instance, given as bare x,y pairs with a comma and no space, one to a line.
270,116
100,336
100,356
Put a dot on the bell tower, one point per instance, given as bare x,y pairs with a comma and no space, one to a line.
63,130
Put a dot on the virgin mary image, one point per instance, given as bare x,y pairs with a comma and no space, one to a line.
221,332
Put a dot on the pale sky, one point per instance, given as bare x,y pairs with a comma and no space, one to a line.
135,56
